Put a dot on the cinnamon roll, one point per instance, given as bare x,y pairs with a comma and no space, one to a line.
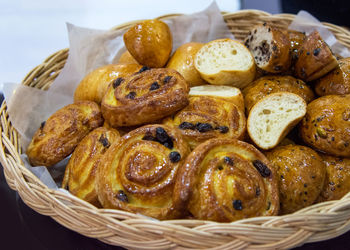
137,173
79,176
226,180
145,97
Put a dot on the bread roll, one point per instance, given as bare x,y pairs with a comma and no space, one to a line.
145,97
183,62
325,126
60,134
272,84
301,174
271,118
210,116
149,42
137,173
270,48
126,58
94,85
225,62
226,180
80,173
315,58
336,82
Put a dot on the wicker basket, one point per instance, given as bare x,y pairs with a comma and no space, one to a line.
318,222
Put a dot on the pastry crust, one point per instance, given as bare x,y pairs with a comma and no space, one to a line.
60,134
126,58
80,173
145,97
137,173
315,59
149,42
94,85
183,62
301,174
209,117
336,82
325,126
226,180
272,84
337,183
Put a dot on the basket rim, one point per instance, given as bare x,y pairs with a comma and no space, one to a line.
293,229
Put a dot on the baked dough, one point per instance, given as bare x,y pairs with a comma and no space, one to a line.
326,124
226,180
145,97
79,177
60,134
137,173
300,173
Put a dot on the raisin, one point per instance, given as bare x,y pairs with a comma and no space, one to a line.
228,160
175,156
154,86
268,205
277,68
308,53
149,137
163,138
103,139
237,204
117,82
317,51
122,196
131,95
167,79
42,125
305,185
203,127
222,129
144,68
187,125
262,168
220,168
257,191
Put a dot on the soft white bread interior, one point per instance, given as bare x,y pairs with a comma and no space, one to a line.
271,118
225,62
232,94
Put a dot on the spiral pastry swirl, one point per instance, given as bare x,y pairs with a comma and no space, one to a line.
226,180
80,173
209,117
147,96
138,172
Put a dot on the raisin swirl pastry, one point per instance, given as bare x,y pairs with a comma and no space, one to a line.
80,173
144,97
226,180
137,173
209,117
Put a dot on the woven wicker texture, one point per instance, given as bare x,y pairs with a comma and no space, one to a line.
318,222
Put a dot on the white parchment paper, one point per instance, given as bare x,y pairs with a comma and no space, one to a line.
88,50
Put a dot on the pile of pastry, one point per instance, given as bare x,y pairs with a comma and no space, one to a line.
218,131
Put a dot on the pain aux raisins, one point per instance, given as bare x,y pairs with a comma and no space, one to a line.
174,156
262,168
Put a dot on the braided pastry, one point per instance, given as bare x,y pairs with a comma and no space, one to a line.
144,97
226,180
137,173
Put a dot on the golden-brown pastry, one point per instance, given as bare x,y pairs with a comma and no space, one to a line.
337,183
145,97
94,85
272,84
270,48
315,58
209,117
60,134
296,39
326,124
183,62
126,58
80,173
149,42
336,82
137,173
301,174
226,180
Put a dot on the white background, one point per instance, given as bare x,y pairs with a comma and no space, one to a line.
32,30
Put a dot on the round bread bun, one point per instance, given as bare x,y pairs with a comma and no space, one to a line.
126,58
225,62
300,173
183,62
